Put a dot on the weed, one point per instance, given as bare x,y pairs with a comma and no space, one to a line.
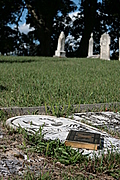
54,148
3,116
32,176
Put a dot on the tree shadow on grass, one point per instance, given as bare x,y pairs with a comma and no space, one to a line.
32,60
18,61
3,88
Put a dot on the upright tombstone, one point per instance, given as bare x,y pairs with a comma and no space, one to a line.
60,52
119,49
105,47
90,47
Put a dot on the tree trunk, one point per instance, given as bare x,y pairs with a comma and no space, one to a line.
43,29
45,41
83,49
89,22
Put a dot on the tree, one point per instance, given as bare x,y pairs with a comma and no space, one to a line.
7,39
49,19
96,17
88,9
41,16
10,12
27,45
111,13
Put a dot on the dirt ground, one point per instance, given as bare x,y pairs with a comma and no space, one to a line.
16,164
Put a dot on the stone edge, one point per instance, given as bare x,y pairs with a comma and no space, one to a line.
9,121
44,110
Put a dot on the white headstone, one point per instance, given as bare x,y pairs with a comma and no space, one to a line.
60,52
105,47
119,49
90,48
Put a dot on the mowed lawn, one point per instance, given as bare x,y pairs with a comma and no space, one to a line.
36,81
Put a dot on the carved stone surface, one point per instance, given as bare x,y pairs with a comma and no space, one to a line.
109,120
60,52
58,128
105,47
54,128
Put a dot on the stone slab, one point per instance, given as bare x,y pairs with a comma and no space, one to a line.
108,120
58,128
53,128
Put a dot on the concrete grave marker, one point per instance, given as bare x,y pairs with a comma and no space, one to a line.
54,128
90,48
105,47
60,52
59,128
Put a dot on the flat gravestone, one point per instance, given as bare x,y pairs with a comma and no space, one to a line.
110,120
53,128
59,128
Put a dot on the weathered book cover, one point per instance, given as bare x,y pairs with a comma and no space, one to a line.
85,140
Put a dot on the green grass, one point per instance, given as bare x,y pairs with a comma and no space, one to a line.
50,148
36,81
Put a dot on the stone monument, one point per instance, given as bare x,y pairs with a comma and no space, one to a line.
60,52
90,47
105,46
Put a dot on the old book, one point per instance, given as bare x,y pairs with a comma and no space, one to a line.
85,140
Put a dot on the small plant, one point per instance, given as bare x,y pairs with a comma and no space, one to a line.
32,176
107,164
3,116
54,148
